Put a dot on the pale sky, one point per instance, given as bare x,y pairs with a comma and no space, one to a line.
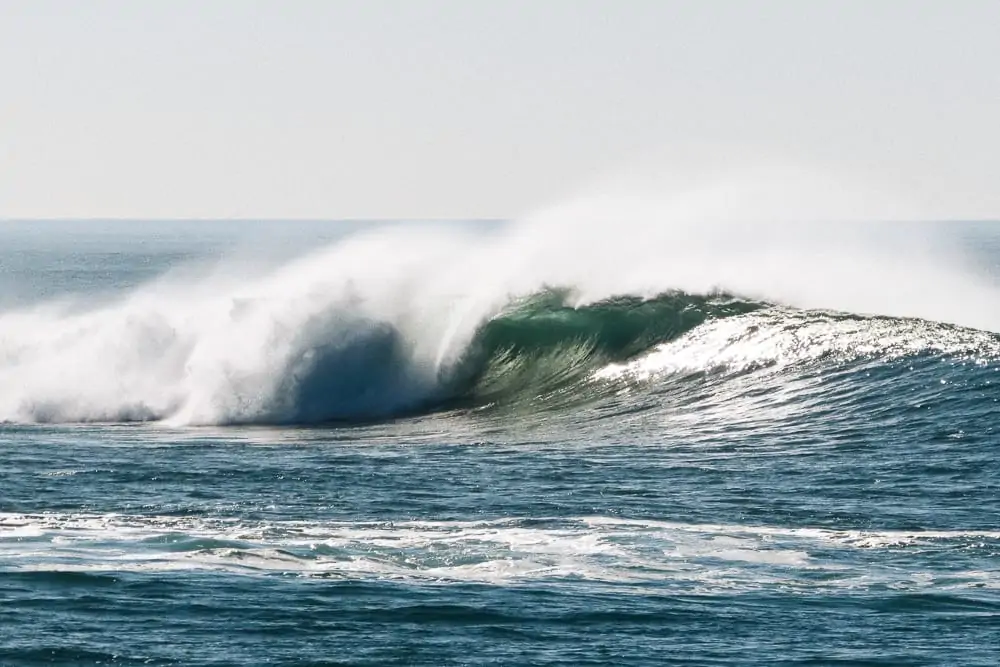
477,108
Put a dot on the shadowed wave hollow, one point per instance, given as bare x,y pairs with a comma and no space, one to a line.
543,352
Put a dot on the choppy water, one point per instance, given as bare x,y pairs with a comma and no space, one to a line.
375,453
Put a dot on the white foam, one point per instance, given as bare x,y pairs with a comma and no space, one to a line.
630,553
778,338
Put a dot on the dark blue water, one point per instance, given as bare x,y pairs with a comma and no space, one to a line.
756,484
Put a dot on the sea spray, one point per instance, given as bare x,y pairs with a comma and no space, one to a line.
383,322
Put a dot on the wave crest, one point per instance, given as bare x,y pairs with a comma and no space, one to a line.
403,321
342,362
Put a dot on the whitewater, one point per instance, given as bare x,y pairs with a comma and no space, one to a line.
383,322
737,420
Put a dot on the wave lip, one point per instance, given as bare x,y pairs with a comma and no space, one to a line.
542,345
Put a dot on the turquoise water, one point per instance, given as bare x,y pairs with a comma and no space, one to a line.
221,448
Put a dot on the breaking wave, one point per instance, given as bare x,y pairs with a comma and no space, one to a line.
571,305
540,351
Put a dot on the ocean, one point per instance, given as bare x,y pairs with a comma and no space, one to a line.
536,443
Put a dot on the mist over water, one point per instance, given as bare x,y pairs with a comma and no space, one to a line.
375,321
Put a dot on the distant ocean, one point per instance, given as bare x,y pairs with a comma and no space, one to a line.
337,443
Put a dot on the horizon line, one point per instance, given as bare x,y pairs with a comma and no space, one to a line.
249,219
415,220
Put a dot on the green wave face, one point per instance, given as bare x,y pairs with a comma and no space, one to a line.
541,345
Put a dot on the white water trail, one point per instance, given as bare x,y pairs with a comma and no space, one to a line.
366,326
